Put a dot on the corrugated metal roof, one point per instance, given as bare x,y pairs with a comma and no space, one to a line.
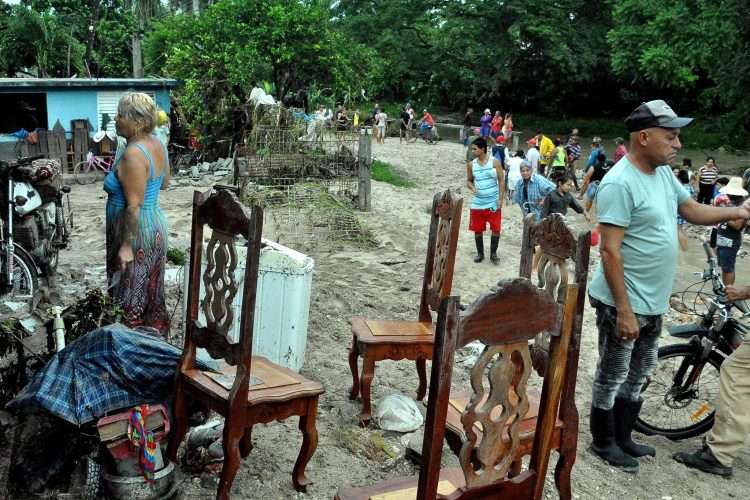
51,83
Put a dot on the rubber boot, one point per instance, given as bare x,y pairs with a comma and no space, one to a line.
494,242
626,412
480,247
602,424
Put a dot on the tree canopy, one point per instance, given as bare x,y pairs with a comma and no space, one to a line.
550,57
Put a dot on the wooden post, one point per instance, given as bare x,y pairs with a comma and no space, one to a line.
364,159
516,140
57,146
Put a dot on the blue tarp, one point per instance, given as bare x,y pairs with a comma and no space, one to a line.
107,369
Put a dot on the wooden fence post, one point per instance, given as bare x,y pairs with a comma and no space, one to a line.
516,140
364,160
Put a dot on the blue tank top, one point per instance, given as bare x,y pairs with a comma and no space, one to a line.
152,219
486,182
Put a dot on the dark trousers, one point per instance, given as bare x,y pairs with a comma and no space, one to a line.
623,365
705,193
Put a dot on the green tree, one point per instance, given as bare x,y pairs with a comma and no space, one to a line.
235,44
691,51
39,43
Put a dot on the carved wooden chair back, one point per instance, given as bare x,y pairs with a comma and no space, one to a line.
227,219
499,397
441,252
558,245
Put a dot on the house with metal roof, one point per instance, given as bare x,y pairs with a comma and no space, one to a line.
39,103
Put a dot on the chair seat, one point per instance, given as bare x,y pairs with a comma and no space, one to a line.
460,400
269,382
371,331
403,488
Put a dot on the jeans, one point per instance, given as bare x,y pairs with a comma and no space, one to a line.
623,365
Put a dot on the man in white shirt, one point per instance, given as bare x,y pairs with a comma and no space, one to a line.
532,155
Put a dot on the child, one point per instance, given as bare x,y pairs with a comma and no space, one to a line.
484,178
560,199
729,234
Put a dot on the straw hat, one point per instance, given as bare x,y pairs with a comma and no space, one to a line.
734,188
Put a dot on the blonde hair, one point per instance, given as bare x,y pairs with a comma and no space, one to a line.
139,109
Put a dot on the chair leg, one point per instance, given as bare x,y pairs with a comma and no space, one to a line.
231,445
353,355
246,445
515,468
422,373
368,372
309,444
180,422
562,474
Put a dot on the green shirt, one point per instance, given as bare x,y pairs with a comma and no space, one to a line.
646,206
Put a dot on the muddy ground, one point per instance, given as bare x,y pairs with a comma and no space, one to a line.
351,281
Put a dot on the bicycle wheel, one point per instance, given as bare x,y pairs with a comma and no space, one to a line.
671,409
82,173
25,280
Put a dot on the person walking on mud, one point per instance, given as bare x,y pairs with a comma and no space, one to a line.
486,180
707,176
466,131
637,204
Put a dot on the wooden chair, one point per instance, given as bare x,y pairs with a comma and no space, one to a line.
250,390
375,340
557,244
492,420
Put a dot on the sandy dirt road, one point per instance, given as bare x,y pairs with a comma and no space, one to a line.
352,281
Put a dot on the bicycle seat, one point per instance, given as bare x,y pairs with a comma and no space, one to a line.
65,189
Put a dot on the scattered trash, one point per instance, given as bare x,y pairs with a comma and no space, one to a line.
398,413
469,354
413,445
204,435
366,443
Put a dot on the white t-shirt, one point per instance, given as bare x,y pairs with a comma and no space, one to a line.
382,119
514,170
532,156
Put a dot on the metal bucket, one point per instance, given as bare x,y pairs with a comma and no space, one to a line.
136,488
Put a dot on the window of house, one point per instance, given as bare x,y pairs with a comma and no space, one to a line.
23,111
106,104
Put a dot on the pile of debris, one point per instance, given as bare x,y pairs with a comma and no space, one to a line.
205,174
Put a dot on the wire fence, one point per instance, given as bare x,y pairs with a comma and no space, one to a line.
307,178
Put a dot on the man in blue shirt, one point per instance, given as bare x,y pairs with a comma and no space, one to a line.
637,205
596,148
529,192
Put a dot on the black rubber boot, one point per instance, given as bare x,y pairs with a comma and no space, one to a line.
494,242
602,424
626,412
480,247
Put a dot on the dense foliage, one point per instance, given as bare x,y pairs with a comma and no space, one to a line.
238,44
557,58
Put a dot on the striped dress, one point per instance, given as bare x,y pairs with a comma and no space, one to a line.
486,182
140,289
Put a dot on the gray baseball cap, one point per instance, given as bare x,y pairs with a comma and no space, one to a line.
654,114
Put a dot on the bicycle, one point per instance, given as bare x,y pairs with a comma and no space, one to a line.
679,395
182,158
93,169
